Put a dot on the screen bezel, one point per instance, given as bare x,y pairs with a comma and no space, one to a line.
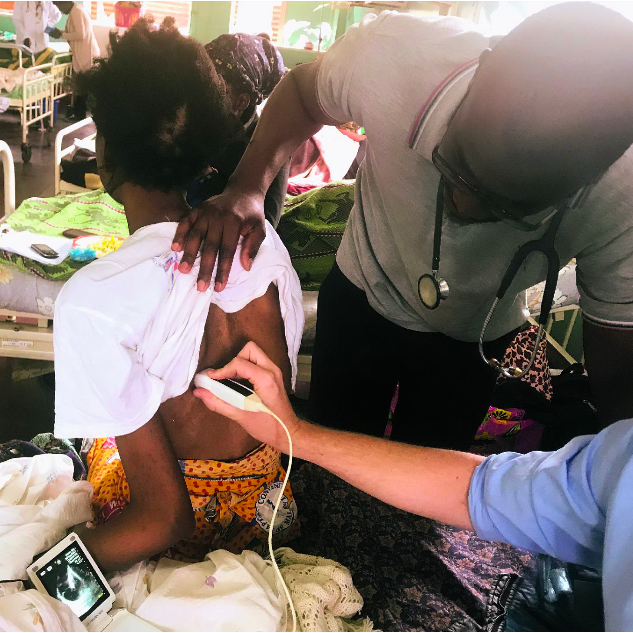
103,604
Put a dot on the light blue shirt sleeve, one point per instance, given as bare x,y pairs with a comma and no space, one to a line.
575,504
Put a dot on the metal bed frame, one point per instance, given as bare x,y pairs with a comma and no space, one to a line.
39,93
61,186
34,338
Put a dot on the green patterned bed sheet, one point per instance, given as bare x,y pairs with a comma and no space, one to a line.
94,211
311,227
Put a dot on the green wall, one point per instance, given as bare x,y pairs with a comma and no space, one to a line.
294,56
212,18
314,13
308,11
6,23
209,19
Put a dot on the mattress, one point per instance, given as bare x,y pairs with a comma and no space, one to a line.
11,83
22,291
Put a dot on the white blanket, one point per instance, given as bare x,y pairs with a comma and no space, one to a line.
225,592
39,502
9,79
32,611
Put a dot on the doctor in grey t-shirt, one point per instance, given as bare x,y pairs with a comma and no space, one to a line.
546,112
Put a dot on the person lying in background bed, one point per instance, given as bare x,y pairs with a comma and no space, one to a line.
251,67
131,330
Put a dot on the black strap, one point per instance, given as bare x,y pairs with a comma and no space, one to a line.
545,245
439,218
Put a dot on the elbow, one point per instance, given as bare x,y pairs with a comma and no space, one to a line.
303,82
165,527
177,524
184,525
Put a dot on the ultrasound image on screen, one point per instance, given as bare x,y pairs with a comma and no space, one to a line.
69,578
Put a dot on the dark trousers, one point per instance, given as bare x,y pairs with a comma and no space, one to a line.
80,106
359,357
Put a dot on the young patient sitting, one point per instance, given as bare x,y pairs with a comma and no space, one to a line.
131,331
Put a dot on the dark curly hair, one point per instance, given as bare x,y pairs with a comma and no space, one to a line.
159,106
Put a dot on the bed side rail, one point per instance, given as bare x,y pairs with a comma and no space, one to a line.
62,153
8,170
62,74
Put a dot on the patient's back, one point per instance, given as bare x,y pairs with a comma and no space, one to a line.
131,331
196,432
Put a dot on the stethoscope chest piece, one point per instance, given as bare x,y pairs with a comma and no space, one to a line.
432,290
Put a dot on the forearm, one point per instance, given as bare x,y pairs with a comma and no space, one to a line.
429,482
290,117
276,196
159,512
71,37
132,536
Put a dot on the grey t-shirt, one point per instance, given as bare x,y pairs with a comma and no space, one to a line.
381,75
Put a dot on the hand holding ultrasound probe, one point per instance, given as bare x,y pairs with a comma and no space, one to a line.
218,390
253,365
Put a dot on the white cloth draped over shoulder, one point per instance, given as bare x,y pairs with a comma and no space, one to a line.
128,328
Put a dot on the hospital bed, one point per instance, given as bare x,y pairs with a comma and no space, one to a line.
27,299
37,89
61,186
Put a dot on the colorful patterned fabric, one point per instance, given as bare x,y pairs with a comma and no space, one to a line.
509,424
11,59
232,501
503,424
518,355
249,63
311,227
95,212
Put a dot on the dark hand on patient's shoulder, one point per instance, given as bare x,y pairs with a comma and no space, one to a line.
214,227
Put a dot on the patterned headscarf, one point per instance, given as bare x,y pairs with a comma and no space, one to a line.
250,63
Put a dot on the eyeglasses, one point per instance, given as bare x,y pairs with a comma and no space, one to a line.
458,181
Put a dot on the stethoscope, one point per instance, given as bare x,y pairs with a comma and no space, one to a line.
433,289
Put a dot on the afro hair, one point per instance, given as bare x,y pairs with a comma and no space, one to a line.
159,106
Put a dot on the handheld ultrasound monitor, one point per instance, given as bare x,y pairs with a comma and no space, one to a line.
69,574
